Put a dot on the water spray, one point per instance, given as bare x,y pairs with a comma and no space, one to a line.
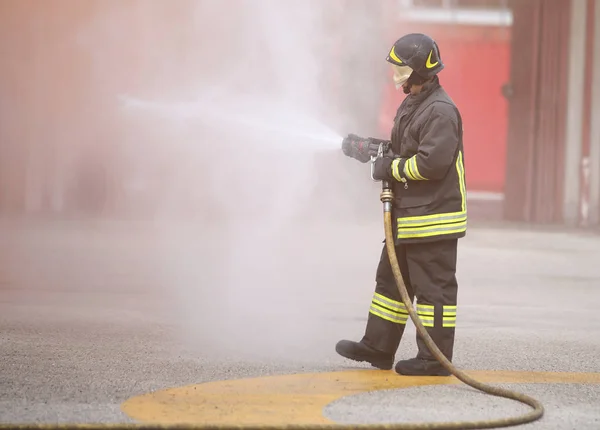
297,126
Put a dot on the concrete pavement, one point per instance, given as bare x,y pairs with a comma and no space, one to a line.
93,314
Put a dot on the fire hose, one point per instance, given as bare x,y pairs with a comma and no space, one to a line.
386,198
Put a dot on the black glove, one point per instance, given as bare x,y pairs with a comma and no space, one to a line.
382,169
359,148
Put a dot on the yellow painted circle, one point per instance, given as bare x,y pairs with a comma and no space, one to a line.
299,398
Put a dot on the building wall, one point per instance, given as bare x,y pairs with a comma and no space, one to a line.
588,189
538,111
65,147
552,145
63,66
64,62
544,137
55,106
594,155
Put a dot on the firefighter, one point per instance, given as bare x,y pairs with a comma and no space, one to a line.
427,175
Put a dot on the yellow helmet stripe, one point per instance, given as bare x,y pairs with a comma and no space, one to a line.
429,64
394,57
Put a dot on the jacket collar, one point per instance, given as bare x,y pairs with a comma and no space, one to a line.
426,91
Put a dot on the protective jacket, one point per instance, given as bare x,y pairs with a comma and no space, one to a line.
429,187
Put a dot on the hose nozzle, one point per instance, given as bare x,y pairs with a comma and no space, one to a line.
381,150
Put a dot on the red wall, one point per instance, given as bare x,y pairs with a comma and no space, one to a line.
477,66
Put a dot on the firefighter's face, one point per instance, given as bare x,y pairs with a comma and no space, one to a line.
401,74
412,89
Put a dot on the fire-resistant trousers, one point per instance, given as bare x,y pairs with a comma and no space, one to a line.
429,273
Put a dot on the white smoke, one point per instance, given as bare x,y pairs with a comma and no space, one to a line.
252,151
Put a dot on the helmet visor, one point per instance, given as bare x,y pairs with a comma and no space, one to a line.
401,75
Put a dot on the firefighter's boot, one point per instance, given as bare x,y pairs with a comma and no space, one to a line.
421,367
358,351
425,364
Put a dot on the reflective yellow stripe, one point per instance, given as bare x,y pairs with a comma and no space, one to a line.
433,230
413,167
449,318
460,170
407,170
449,311
426,321
388,309
435,224
389,303
426,313
425,309
388,315
449,322
392,303
395,172
429,220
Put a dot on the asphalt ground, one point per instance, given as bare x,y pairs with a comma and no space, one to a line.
94,314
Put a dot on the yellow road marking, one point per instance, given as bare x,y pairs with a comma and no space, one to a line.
298,398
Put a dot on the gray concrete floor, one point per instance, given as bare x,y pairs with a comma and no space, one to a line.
93,313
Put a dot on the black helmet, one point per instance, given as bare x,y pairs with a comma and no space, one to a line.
419,52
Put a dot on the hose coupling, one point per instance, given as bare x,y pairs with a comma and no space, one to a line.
386,196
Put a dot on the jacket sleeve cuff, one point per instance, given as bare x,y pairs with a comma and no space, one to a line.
398,169
411,170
